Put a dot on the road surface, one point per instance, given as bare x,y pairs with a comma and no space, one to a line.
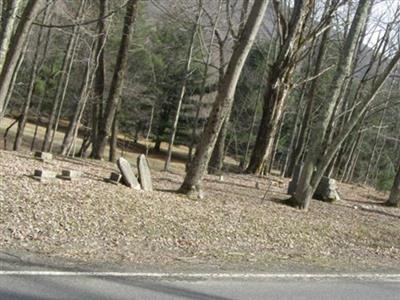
98,287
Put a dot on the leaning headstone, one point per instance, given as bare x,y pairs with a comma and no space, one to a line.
327,190
295,178
70,175
43,156
144,173
44,175
114,178
129,178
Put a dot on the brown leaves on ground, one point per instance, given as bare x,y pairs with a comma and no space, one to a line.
93,221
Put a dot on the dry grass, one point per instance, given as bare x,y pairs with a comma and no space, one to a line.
93,221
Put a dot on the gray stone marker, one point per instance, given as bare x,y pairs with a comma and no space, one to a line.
70,175
327,190
43,156
114,178
44,175
129,178
144,173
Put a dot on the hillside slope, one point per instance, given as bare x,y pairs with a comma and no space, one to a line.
234,227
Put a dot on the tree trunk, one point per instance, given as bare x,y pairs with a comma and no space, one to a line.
217,158
114,139
98,88
377,136
14,79
279,81
62,84
10,9
117,81
298,150
15,48
183,88
224,100
320,155
394,198
73,126
31,89
204,83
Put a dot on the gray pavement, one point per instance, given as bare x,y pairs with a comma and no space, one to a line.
102,288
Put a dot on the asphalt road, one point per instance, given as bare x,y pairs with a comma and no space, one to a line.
102,288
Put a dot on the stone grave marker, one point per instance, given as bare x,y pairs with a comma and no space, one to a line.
129,178
144,173
327,190
44,175
70,175
43,156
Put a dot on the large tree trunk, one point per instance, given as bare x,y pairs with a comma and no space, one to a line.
15,48
14,78
98,88
279,81
114,139
217,158
10,9
117,81
394,198
224,100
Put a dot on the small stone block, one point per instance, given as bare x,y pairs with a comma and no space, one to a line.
43,156
44,175
70,175
114,178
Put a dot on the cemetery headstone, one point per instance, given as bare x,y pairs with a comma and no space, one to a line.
70,175
129,178
44,175
327,190
43,156
144,173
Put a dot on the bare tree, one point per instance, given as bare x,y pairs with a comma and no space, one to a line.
98,87
291,40
62,84
224,100
117,81
31,89
321,154
10,9
15,48
182,93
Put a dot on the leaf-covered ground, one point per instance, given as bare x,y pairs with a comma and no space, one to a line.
234,226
